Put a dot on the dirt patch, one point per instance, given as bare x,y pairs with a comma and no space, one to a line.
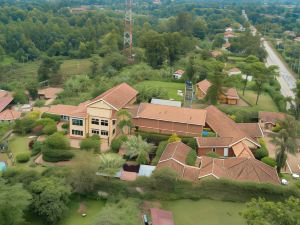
82,208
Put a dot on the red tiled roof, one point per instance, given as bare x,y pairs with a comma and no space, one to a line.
171,113
241,150
234,70
128,176
66,110
180,72
204,85
271,117
4,93
214,141
252,129
231,93
8,115
50,92
5,101
239,169
118,96
161,217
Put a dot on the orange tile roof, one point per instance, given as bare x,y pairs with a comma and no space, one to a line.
171,113
204,85
4,93
271,117
180,72
239,169
5,101
8,115
214,141
118,96
234,70
231,93
220,123
161,217
66,110
50,92
216,53
128,176
241,150
252,129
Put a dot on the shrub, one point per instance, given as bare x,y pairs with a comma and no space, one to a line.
91,143
39,103
159,151
212,155
57,141
174,138
191,158
65,126
36,148
56,155
191,142
277,128
51,116
262,151
23,157
116,145
49,129
269,161
152,137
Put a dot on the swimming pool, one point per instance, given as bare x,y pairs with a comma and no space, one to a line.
2,166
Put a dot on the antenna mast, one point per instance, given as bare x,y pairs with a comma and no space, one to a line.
128,27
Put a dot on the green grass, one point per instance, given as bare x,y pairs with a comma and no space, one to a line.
265,102
19,144
205,212
170,87
72,217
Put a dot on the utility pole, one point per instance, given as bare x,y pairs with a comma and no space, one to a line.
128,27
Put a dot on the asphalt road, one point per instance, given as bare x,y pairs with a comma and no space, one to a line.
286,79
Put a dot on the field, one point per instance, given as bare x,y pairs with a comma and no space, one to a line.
205,212
265,102
171,88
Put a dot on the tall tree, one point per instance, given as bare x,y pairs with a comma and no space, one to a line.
285,141
139,149
49,71
14,200
124,121
295,103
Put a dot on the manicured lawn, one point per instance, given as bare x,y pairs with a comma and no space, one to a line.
265,102
18,144
170,87
205,212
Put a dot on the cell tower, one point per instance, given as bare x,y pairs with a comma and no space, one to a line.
128,22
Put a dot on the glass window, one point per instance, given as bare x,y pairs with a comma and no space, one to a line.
77,132
214,149
95,121
114,122
104,132
77,122
104,123
95,131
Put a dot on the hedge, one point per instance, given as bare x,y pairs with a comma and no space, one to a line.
23,157
51,116
57,155
159,151
269,161
117,143
191,158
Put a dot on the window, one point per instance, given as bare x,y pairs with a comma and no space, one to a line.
214,149
77,132
114,122
95,131
104,123
65,118
95,121
77,122
114,131
104,132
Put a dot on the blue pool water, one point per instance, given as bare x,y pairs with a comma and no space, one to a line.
2,166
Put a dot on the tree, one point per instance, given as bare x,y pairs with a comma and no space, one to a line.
285,141
91,143
137,148
174,138
295,103
124,121
20,97
183,23
165,179
14,200
110,164
49,71
262,212
50,198
200,28
95,66
57,141
82,175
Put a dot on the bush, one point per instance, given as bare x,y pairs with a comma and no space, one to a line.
36,148
23,157
212,155
65,126
277,128
91,143
57,141
241,115
159,151
51,116
269,161
174,138
191,158
191,142
39,103
49,129
262,151
116,145
57,155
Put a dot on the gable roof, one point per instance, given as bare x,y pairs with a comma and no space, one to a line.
240,169
60,109
179,72
213,141
117,97
8,115
241,150
5,101
252,129
171,114
204,85
220,123
270,117
50,92
232,93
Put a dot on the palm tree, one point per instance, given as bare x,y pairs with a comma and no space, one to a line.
137,148
219,82
110,164
285,141
124,118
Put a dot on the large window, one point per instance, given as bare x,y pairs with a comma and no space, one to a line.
104,132
95,121
77,132
77,122
104,123
95,131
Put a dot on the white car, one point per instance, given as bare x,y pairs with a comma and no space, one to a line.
295,176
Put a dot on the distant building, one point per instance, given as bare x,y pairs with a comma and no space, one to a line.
5,100
9,115
49,93
268,120
165,102
234,71
229,29
216,54
178,74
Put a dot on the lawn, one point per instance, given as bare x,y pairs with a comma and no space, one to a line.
265,102
205,212
73,217
170,87
18,144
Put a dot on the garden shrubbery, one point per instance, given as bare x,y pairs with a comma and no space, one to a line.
212,155
23,157
262,151
191,158
51,116
117,143
57,155
159,151
269,161
91,143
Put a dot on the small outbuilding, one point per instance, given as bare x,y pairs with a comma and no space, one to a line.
178,74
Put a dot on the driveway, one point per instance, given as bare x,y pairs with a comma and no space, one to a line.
293,161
